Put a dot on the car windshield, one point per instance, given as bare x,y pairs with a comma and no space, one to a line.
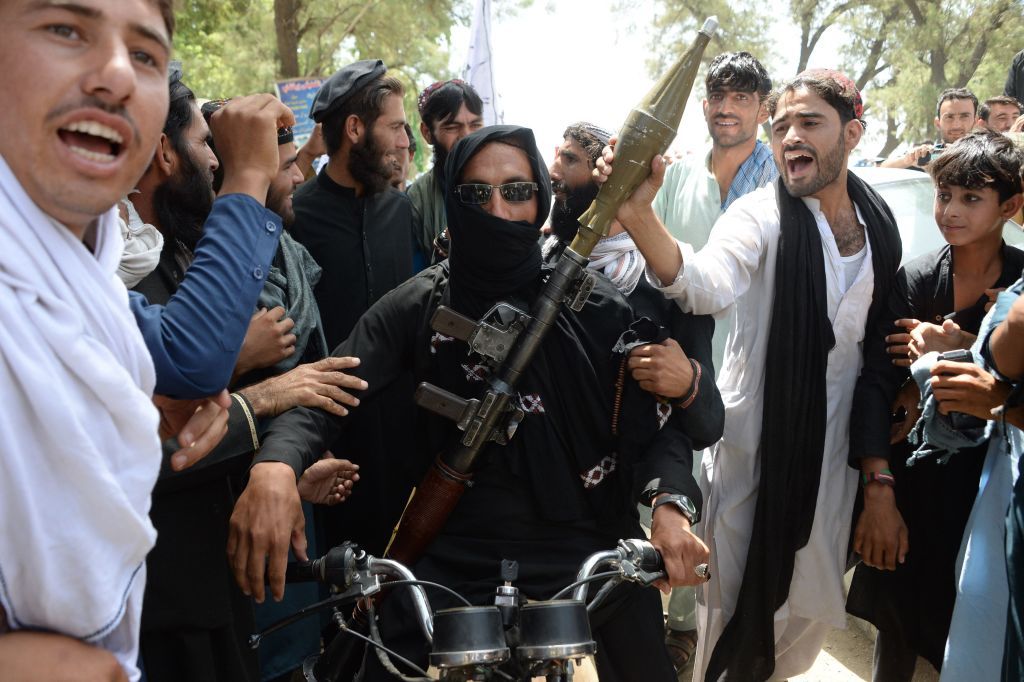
910,197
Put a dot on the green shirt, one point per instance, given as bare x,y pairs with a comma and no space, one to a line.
689,202
428,213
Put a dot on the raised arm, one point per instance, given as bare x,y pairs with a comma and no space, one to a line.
637,215
195,339
704,283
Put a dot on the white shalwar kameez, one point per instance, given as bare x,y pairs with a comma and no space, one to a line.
738,265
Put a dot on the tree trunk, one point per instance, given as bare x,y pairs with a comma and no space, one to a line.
892,140
286,25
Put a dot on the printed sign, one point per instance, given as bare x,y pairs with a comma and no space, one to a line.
298,95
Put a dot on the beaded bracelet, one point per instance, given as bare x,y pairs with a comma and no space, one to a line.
884,477
691,395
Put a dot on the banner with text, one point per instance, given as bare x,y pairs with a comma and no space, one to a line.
298,95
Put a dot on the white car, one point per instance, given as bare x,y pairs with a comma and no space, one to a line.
911,195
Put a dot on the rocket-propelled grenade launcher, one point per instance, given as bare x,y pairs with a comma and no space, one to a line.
507,339
649,130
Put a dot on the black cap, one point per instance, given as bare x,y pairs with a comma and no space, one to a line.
341,86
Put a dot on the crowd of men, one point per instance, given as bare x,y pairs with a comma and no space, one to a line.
212,337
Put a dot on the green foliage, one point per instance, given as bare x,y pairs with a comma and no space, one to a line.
741,27
230,46
234,47
903,52
226,46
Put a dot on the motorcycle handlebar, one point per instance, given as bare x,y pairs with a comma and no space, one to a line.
301,572
347,567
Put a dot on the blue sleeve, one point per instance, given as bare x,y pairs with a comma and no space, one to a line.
195,339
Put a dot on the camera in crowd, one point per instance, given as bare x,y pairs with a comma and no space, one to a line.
936,152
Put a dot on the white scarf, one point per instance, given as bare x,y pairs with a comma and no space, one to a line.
142,246
620,261
79,451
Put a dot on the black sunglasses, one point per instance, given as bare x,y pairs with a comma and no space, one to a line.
512,192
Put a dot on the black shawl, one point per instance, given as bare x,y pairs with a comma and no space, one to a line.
491,257
793,426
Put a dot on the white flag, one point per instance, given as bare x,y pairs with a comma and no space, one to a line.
479,68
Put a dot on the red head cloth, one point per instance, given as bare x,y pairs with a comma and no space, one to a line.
849,87
434,87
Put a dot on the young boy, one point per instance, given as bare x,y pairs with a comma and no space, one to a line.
938,304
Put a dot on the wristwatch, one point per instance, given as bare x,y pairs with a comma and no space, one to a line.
681,502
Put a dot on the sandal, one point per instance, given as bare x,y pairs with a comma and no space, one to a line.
681,645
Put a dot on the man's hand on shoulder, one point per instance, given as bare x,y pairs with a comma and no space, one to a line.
267,520
680,549
317,384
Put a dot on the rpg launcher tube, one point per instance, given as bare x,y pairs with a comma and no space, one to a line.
649,130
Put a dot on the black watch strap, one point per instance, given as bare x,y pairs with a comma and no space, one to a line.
681,502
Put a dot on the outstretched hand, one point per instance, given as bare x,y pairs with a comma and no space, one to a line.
329,481
198,424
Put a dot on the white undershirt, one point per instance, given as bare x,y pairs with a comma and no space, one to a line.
851,266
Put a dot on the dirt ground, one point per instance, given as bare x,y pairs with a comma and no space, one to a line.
845,658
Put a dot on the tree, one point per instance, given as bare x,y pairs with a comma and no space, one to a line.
741,27
903,53
815,18
309,33
223,47
239,46
926,46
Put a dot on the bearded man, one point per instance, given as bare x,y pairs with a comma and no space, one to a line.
356,226
808,263
175,194
359,229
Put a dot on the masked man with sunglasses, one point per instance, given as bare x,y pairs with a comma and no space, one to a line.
566,485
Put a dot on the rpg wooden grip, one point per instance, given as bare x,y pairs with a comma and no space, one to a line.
427,511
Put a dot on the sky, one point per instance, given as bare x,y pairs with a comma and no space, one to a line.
548,78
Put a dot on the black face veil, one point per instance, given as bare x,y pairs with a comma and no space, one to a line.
491,257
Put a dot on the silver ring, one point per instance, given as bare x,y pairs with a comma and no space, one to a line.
702,571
